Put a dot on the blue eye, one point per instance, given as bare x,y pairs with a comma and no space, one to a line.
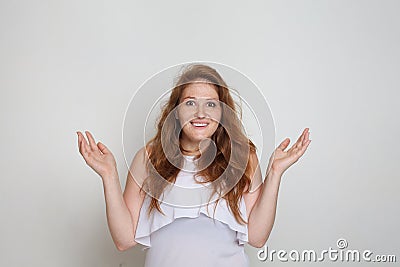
190,103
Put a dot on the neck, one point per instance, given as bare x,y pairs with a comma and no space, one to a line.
189,152
193,148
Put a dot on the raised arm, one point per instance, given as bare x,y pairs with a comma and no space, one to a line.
122,209
263,202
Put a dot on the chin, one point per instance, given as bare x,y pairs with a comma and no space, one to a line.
198,137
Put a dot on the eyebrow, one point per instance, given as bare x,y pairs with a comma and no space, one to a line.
192,97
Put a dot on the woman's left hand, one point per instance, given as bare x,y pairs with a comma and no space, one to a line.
281,160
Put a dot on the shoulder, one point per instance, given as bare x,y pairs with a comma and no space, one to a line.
138,167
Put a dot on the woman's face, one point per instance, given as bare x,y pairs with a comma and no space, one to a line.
199,113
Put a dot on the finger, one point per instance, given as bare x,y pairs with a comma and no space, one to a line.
91,140
83,146
302,150
284,144
307,137
103,148
79,141
300,140
302,137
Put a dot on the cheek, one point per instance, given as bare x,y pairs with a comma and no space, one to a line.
216,116
184,117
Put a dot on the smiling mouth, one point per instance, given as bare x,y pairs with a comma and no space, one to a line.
199,125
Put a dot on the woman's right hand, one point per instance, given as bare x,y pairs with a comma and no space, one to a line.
98,157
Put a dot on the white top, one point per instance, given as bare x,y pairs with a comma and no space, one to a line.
189,236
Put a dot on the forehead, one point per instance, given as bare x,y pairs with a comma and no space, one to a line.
200,90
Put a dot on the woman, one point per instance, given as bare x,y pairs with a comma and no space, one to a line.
199,144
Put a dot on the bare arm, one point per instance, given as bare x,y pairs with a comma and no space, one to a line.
122,209
264,201
120,221
262,217
132,195
261,204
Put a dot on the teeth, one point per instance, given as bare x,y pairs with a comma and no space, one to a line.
199,124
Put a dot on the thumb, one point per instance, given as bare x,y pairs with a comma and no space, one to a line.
284,144
103,148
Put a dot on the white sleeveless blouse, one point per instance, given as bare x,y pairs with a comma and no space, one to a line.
192,236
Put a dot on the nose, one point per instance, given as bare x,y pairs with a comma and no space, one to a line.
200,111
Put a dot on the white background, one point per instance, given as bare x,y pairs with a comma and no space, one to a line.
332,66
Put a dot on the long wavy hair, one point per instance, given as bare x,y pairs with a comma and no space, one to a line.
227,170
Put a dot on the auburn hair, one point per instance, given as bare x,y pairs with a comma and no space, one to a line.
226,166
